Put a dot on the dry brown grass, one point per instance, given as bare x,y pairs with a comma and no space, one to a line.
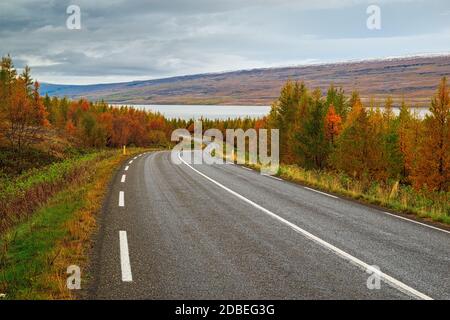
434,206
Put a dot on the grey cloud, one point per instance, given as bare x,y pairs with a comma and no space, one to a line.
137,39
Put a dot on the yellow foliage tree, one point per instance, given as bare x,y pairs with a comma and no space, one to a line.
433,165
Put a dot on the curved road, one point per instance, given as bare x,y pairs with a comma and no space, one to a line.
184,231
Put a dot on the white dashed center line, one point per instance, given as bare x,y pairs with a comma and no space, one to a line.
121,199
123,178
125,257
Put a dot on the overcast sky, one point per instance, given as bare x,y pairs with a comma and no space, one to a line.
122,40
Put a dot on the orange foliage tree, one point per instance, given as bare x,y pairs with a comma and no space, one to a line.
333,125
23,114
433,166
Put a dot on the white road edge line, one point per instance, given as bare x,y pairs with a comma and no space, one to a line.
121,199
247,168
125,257
388,279
126,168
414,221
326,194
385,212
273,177
123,178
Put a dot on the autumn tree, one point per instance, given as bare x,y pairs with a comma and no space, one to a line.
404,122
91,133
354,148
24,112
388,113
285,114
376,162
8,76
332,125
336,98
433,167
311,145
391,154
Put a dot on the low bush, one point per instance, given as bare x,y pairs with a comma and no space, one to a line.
22,195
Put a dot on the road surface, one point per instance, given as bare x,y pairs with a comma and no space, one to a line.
185,231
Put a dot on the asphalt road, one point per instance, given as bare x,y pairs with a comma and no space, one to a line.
184,231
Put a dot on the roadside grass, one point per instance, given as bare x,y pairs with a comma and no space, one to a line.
35,254
434,206
424,204
28,251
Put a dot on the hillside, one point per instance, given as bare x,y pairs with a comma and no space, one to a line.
414,78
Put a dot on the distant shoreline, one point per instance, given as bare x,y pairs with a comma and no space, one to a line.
225,111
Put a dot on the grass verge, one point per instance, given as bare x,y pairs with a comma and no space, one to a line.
434,206
22,195
35,254
424,204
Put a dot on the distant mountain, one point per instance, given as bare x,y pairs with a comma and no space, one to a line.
414,78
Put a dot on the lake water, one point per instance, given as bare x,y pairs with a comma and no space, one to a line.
207,111
419,112
223,112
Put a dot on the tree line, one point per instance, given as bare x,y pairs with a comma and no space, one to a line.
25,116
339,132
